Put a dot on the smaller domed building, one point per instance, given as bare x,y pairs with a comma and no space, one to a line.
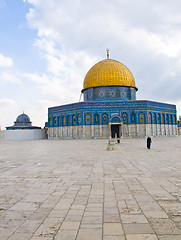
110,108
22,130
22,122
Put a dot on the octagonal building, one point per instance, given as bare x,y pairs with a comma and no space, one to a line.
110,108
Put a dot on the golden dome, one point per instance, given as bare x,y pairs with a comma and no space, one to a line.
109,72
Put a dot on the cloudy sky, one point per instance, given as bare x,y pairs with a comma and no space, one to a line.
47,47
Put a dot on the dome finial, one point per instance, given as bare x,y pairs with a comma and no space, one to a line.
107,50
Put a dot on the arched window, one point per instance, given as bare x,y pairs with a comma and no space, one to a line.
174,119
154,117
141,117
171,119
133,117
88,118
59,121
68,120
149,117
55,121
79,120
74,120
125,118
159,118
96,118
163,118
63,121
167,119
104,119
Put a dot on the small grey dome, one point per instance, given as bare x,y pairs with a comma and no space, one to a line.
23,118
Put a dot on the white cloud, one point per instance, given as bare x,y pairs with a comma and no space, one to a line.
74,34
36,78
10,77
5,61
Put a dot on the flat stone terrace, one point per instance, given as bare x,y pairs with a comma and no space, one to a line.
76,190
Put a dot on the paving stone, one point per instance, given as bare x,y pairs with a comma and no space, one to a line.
70,225
141,237
29,226
112,229
169,237
155,214
65,235
137,228
92,219
91,226
49,227
164,226
73,218
42,238
16,215
111,218
136,218
24,206
89,234
113,238
20,236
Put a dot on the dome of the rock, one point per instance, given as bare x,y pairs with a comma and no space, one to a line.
109,72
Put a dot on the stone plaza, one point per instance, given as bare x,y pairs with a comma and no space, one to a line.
77,190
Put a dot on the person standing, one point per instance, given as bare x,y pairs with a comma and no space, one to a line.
148,142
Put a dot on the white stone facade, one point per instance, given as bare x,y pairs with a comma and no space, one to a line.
103,131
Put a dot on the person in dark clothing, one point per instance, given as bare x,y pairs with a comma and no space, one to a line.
148,142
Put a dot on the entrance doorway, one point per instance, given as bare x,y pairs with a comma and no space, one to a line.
115,130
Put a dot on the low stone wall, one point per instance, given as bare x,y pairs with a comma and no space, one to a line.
102,131
13,135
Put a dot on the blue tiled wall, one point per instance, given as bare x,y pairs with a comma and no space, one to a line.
98,112
116,93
